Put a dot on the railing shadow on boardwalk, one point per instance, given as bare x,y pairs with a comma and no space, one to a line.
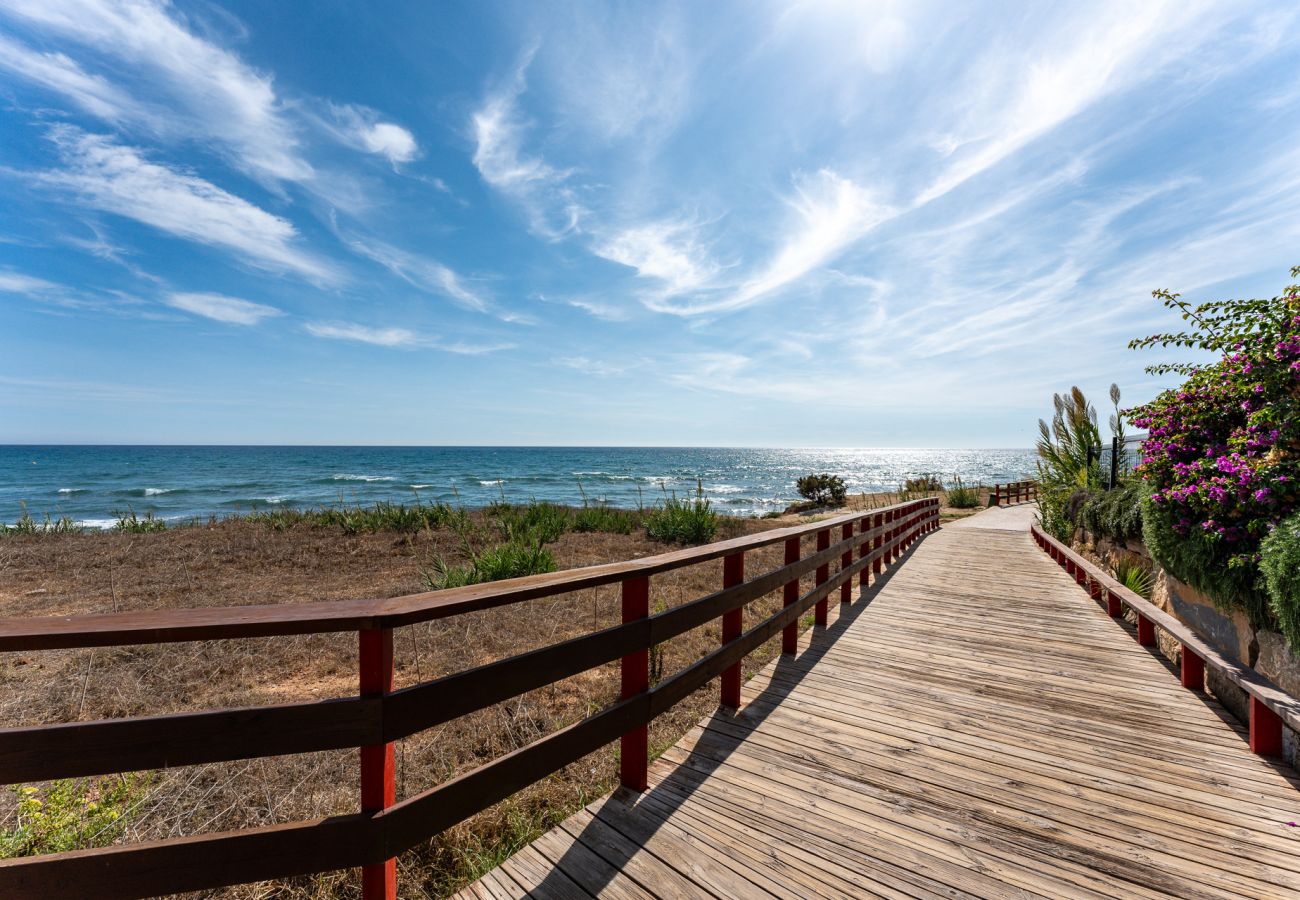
789,671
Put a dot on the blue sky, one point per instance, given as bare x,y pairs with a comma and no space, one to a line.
809,224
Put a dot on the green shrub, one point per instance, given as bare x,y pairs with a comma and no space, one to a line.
540,523
133,524
683,521
1135,577
1115,514
512,559
823,489
926,482
71,814
365,519
26,525
1280,564
599,517
960,496
1067,462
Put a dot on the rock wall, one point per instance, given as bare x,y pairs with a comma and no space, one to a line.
1228,631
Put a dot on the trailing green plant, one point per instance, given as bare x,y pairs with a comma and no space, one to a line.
133,524
1115,514
824,489
925,483
71,814
1135,577
1067,461
960,496
1222,452
677,521
1280,565
26,525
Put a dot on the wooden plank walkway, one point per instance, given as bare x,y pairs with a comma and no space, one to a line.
978,728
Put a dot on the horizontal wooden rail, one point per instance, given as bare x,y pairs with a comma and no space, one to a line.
1013,492
1270,706
377,717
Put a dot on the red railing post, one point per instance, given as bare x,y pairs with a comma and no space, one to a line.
889,537
878,521
864,525
378,761
846,560
733,621
1265,729
634,747
1114,608
790,594
823,574
997,495
1191,670
1146,631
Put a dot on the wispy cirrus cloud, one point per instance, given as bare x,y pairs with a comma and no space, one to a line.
220,308
397,337
364,129
419,271
103,174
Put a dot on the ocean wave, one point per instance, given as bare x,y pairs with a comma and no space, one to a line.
722,489
420,487
101,524
493,483
345,477
154,492
74,490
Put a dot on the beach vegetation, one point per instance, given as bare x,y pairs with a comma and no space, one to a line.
130,523
924,483
961,496
679,521
824,489
27,525
1137,578
512,559
1280,565
1068,461
1116,514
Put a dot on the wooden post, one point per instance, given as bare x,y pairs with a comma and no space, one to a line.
864,525
1192,670
733,573
378,761
1146,631
823,574
790,633
997,495
1094,588
878,521
1265,729
1113,607
634,747
846,589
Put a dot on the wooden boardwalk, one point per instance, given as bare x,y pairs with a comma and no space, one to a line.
978,727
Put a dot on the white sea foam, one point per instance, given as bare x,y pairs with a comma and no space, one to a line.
492,483
723,489
345,477
420,487
154,492
101,524
73,490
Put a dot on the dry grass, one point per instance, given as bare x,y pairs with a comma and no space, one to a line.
241,563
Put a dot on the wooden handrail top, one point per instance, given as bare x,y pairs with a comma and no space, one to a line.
221,622
1242,676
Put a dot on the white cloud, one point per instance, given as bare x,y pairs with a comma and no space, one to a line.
396,337
588,366
231,310
828,213
221,97
361,127
18,283
117,179
1012,100
667,251
59,73
551,206
350,331
426,274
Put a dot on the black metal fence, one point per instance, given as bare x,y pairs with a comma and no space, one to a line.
1117,460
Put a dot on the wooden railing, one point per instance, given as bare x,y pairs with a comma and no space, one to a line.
1013,492
1269,705
378,715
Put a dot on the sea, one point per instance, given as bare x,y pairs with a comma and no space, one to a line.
93,485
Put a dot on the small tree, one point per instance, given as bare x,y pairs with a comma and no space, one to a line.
824,489
1067,459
